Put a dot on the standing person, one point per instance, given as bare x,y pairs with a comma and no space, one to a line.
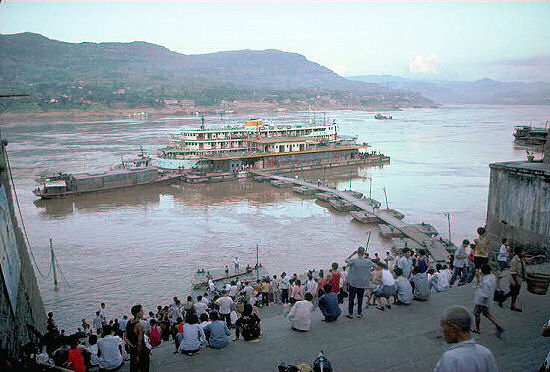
328,304
459,264
358,278
465,355
311,285
502,258
300,314
97,324
389,260
483,299
423,261
103,314
276,286
405,262
135,339
265,292
321,283
334,279
481,252
517,273
236,264
285,286
224,304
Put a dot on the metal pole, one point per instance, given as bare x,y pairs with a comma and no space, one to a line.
52,254
449,220
370,188
386,196
368,241
257,262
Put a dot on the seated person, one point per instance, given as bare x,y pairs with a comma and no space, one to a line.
386,289
217,331
328,304
404,295
300,314
420,284
110,350
248,325
193,335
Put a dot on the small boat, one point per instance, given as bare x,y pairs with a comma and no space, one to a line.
379,116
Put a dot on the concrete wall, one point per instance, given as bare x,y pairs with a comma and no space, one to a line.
519,204
29,308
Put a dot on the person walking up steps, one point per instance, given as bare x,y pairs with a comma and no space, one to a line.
484,298
358,278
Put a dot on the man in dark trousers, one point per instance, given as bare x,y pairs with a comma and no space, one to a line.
358,278
134,337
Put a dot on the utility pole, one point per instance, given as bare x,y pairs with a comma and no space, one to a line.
52,254
386,196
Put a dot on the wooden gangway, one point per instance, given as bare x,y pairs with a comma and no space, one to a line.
436,248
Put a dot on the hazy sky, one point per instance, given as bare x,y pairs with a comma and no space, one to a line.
459,40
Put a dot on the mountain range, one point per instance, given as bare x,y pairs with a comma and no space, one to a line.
60,75
484,91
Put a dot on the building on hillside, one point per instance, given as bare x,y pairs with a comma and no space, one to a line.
519,203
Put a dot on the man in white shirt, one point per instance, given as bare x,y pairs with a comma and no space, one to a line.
300,314
109,351
199,306
483,299
103,314
236,262
224,303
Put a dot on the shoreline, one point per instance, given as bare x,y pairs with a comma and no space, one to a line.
155,114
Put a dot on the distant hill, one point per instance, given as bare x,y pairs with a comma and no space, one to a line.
484,91
139,74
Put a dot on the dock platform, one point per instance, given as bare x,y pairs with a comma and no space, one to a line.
420,234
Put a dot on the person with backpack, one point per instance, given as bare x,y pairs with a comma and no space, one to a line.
248,325
154,334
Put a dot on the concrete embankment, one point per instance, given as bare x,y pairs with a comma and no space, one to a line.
406,338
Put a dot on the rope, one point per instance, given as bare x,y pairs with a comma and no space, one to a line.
63,277
21,218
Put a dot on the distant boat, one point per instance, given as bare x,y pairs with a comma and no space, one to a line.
379,116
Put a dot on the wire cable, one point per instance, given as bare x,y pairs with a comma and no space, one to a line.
21,217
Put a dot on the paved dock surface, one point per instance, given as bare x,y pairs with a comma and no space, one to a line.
437,249
405,338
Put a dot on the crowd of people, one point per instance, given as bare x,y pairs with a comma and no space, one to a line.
218,315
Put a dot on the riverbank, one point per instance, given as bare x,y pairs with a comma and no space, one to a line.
156,113
405,338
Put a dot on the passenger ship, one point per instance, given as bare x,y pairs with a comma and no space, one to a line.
190,146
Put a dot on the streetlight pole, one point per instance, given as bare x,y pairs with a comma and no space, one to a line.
386,197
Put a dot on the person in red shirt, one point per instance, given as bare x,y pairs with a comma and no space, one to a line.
75,360
334,279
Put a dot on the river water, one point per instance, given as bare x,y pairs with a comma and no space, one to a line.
143,244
